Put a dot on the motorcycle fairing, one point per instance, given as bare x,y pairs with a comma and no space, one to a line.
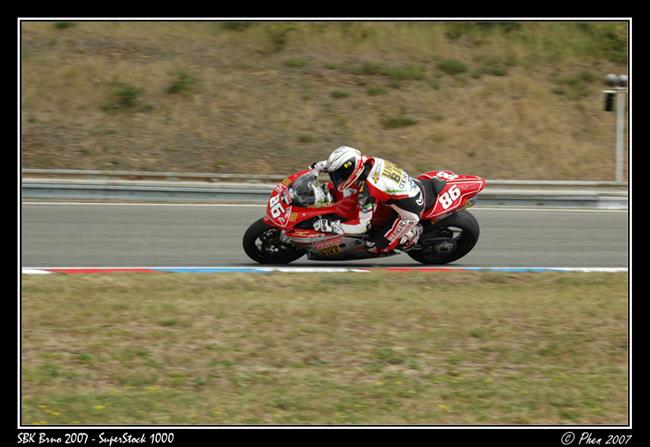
280,212
454,196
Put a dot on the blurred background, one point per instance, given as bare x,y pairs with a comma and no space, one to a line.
507,100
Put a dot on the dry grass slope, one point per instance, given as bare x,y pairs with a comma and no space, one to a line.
510,100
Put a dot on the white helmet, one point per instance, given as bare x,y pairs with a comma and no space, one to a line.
345,165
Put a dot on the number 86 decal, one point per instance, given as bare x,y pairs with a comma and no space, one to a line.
448,198
276,207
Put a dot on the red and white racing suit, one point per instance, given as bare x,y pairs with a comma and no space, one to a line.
383,182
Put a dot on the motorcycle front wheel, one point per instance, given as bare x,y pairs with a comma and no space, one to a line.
262,244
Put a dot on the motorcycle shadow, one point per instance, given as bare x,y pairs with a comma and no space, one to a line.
351,264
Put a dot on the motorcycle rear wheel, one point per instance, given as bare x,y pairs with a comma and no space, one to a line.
262,244
449,240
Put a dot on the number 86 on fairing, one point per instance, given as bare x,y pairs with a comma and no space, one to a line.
448,198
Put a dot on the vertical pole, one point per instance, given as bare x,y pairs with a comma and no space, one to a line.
620,124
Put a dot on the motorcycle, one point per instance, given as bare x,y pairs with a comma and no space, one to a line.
286,232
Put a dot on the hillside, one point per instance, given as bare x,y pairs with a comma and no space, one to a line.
500,100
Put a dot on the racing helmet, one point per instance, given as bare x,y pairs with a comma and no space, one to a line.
344,166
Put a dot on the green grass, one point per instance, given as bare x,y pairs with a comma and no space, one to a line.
577,86
374,91
338,94
396,348
398,121
124,97
64,25
235,25
492,66
399,73
305,138
296,62
278,35
182,82
452,67
368,68
406,72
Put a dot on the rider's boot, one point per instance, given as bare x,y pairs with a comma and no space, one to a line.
411,238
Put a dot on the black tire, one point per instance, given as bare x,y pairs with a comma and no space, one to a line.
262,244
455,236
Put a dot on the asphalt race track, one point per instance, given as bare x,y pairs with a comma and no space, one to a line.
130,235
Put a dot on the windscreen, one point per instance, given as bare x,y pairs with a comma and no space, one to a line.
305,191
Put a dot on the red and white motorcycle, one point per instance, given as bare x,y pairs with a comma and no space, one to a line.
286,232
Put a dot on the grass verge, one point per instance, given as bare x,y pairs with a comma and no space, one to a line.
374,348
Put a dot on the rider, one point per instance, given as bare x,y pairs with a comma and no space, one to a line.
376,181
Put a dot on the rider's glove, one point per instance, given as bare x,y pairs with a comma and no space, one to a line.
326,226
319,165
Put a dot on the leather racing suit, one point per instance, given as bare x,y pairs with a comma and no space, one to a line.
383,182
